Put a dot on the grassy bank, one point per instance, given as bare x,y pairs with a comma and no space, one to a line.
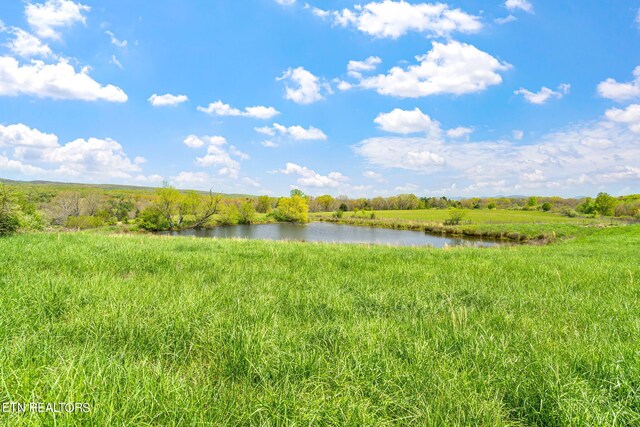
175,331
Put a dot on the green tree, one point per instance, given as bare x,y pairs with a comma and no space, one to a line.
180,211
605,204
297,192
292,209
456,216
546,206
264,204
247,213
228,214
325,202
532,202
9,211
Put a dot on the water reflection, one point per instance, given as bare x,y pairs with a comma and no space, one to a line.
333,233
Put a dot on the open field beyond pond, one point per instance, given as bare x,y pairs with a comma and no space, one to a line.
179,331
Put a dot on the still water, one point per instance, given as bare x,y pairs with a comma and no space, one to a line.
333,233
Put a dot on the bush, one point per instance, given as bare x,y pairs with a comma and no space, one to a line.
247,213
455,216
570,213
84,222
10,214
546,206
228,215
338,214
292,209
153,219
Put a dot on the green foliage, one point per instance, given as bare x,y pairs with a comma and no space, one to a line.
456,216
297,192
532,202
228,214
338,214
153,219
491,206
292,209
325,202
605,204
264,205
588,207
10,214
84,222
247,213
546,206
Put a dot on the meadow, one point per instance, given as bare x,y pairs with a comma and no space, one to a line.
176,331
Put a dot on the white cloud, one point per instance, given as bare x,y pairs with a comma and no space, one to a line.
459,132
519,4
544,94
611,89
35,152
115,62
191,179
374,176
505,20
150,179
599,152
298,133
303,87
46,19
167,100
407,121
219,154
517,134
393,19
311,178
343,86
57,81
286,2
268,144
115,41
27,45
356,68
218,108
629,116
454,68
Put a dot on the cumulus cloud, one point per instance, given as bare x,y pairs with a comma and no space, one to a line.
191,179
297,133
544,94
356,68
57,81
505,20
302,87
629,116
393,19
310,178
611,89
219,154
407,121
459,132
374,176
574,159
48,18
218,108
451,68
519,4
167,100
286,2
35,152
27,45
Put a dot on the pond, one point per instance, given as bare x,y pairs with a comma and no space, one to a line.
333,233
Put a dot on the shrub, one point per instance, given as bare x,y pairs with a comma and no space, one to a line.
546,206
338,214
292,209
456,216
570,213
228,214
247,213
10,214
153,219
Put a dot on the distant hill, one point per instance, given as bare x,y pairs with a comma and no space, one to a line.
106,187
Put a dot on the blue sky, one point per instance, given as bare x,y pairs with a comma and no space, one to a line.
358,98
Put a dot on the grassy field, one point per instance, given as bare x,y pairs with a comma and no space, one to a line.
174,331
482,216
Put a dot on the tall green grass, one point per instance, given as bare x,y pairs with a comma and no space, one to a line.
159,331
